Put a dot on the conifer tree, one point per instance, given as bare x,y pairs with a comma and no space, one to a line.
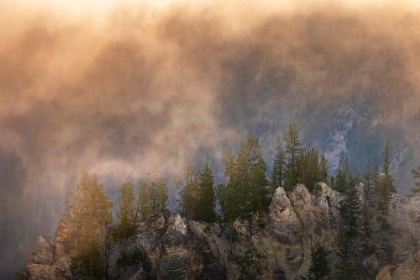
416,174
89,206
293,150
207,196
247,189
312,174
350,210
385,184
319,268
368,179
90,200
367,229
340,182
143,201
153,195
302,166
323,170
343,177
127,210
348,230
189,191
278,165
250,262
345,262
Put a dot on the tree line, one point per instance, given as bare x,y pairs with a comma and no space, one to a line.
248,189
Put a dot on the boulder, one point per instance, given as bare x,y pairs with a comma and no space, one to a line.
282,219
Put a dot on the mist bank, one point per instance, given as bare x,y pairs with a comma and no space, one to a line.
118,91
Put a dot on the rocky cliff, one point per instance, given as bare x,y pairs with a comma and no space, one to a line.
272,246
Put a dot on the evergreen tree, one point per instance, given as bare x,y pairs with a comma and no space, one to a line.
302,166
416,174
368,179
153,195
345,261
89,259
319,268
340,182
323,170
90,200
312,174
127,210
143,201
89,206
293,150
250,262
278,165
343,177
367,229
247,189
349,217
350,210
189,191
385,184
207,195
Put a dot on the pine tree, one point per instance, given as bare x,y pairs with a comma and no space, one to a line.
350,210
343,177
349,222
340,182
247,189
323,170
319,268
278,165
302,166
207,196
127,210
368,179
89,257
90,200
293,149
385,184
345,261
312,174
89,206
368,182
250,262
143,200
153,195
189,191
416,174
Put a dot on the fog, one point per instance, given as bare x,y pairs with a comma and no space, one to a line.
116,89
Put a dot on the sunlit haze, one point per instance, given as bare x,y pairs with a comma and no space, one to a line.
115,87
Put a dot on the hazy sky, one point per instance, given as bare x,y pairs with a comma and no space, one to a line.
115,87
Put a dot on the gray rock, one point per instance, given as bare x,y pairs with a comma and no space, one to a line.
282,219
43,252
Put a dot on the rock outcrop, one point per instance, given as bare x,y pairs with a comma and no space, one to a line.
409,270
50,258
282,219
275,245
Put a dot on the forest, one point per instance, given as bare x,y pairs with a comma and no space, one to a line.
248,190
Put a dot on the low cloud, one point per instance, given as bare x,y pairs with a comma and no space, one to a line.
137,86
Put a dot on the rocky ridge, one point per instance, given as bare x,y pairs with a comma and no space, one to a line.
278,243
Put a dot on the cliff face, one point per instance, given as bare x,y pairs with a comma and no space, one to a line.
272,246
